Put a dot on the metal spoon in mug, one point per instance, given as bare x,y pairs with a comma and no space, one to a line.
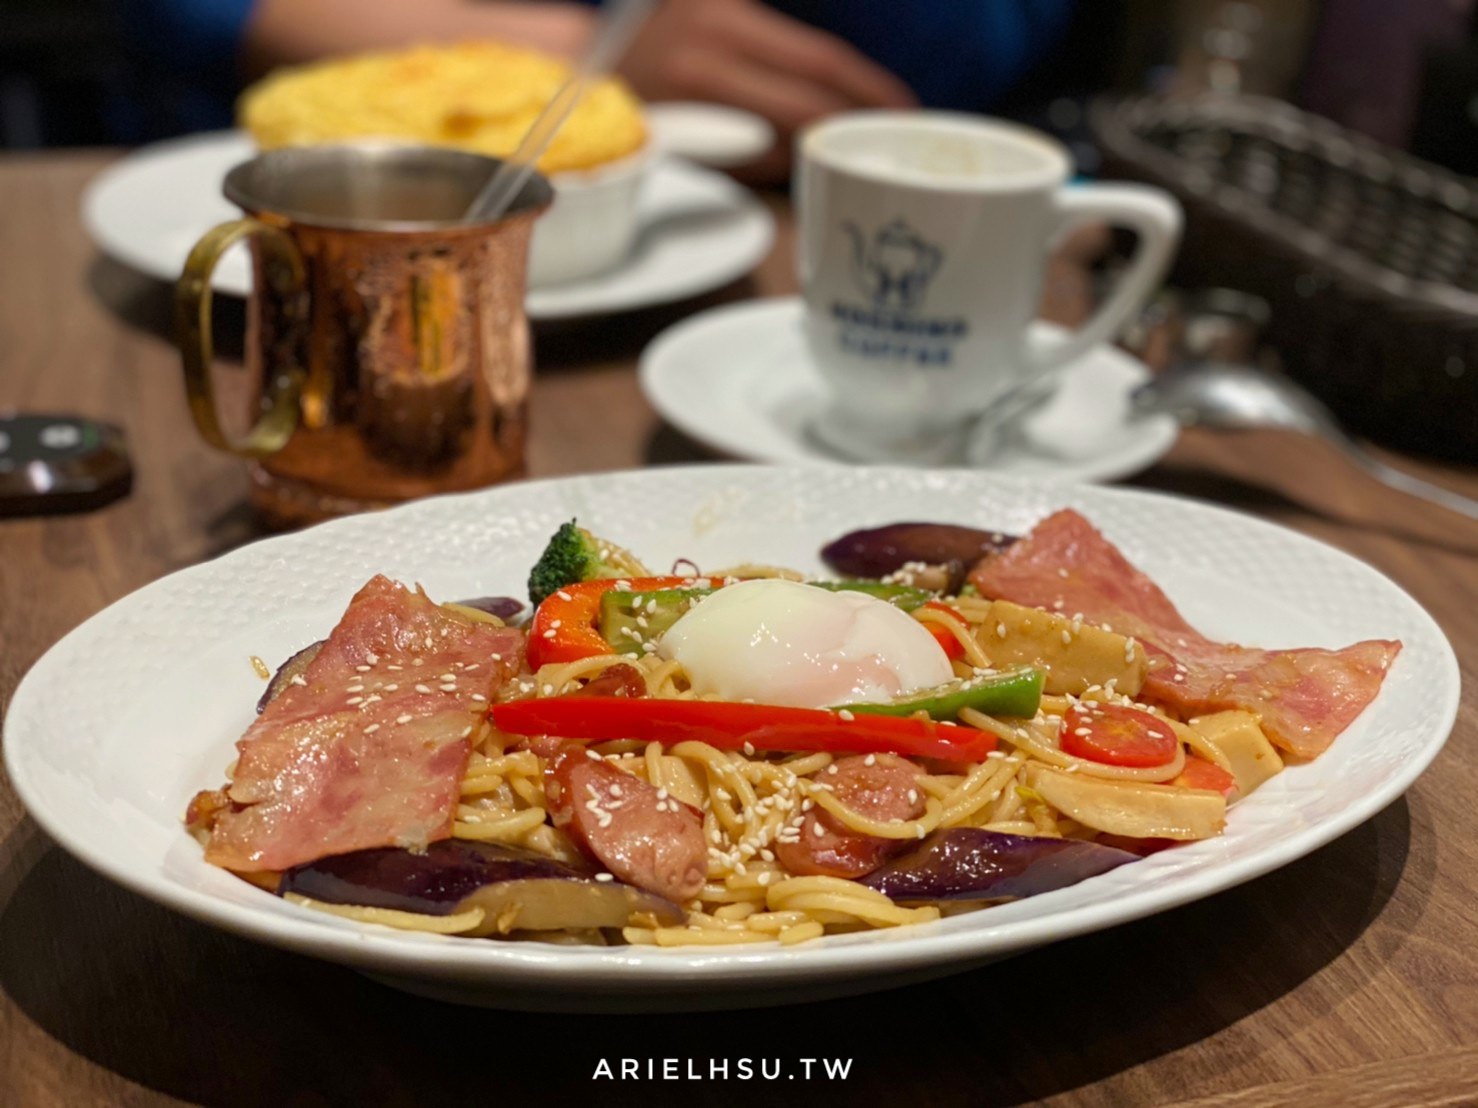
1240,397
620,21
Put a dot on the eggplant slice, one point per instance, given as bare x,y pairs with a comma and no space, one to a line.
879,551
289,669
971,863
517,889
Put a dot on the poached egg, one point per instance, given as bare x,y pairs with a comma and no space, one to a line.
782,642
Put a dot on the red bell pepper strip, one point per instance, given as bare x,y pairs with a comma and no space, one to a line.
565,627
943,635
728,725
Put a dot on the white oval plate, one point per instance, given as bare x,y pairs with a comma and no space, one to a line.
739,378
699,230
114,729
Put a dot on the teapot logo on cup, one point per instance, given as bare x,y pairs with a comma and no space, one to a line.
893,268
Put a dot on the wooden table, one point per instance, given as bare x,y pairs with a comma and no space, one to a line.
1350,976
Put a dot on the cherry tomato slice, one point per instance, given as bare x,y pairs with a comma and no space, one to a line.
1201,774
1117,736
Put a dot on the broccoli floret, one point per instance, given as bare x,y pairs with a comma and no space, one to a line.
574,554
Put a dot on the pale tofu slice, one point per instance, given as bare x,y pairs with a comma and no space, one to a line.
1239,738
1075,660
1130,808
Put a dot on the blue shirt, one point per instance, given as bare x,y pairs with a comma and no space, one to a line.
961,54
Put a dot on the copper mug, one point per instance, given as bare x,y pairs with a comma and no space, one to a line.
389,333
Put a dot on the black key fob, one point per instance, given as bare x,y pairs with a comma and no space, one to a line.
51,464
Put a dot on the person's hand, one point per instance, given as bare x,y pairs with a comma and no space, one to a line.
741,53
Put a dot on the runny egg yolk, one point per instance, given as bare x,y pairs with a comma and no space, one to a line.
782,642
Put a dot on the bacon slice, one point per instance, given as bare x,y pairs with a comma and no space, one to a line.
1305,697
368,747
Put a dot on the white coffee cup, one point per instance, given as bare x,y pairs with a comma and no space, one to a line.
923,238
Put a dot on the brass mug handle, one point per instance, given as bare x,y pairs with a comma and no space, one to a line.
283,269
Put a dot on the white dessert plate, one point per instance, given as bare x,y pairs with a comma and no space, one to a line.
739,379
130,714
699,230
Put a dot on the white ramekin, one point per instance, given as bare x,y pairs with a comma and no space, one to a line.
591,226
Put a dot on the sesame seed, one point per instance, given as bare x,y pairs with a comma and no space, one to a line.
919,831
592,755
362,669
298,679
564,595
474,665
766,877
404,719
748,749
817,829
870,760
371,729
396,668
661,794
423,688
1067,636
391,688
1000,630
450,686
477,696
604,877
549,634
913,796
355,700
466,731
845,715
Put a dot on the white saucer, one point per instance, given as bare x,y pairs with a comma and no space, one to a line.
700,230
738,378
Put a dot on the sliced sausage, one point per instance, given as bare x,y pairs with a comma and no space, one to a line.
617,680
639,833
883,787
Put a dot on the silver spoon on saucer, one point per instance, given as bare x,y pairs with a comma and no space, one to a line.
1240,397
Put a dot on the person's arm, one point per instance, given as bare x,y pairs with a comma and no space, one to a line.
743,53
284,32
